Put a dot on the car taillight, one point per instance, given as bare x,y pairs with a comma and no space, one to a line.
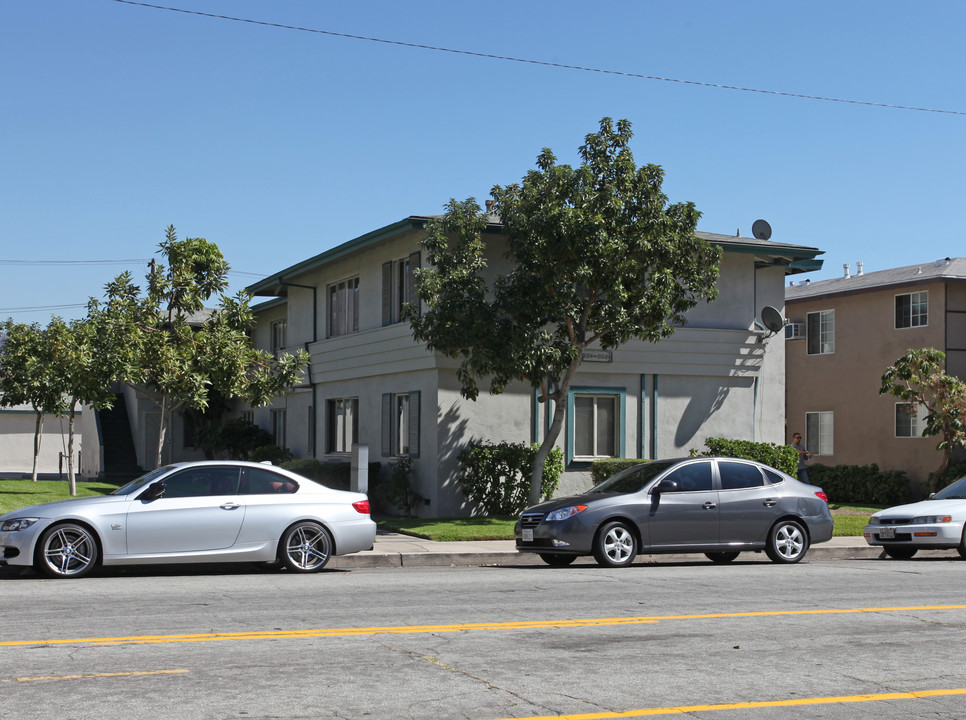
822,496
362,506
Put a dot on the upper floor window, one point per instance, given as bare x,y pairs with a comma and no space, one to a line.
821,332
279,330
344,307
398,287
912,310
908,422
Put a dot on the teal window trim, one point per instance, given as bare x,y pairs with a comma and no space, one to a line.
620,430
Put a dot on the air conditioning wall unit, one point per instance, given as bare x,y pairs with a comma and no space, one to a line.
795,331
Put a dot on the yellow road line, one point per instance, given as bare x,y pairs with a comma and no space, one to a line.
462,627
138,673
684,709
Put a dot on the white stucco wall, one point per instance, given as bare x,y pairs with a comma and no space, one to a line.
17,443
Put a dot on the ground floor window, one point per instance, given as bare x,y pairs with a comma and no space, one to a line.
596,424
400,424
908,422
343,424
818,432
278,427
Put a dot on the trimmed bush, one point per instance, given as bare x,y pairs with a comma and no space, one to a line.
602,469
952,473
860,484
272,453
335,475
396,490
496,478
780,457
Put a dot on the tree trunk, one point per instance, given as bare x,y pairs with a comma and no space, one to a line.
559,414
71,481
38,436
162,429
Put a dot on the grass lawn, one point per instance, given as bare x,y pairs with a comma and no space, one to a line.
21,493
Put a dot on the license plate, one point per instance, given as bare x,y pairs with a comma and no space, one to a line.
887,533
528,535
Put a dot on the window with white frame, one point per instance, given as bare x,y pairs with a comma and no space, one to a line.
398,287
819,427
596,426
342,424
912,310
278,427
279,332
400,424
908,422
820,329
248,416
344,307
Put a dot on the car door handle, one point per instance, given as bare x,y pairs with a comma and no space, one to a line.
230,506
710,506
770,502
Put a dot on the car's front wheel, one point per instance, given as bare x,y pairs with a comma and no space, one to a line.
900,553
787,542
305,547
554,560
721,557
68,550
615,545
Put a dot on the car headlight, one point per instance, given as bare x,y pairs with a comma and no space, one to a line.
564,513
931,519
873,520
17,524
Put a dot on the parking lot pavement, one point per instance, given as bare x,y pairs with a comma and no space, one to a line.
396,550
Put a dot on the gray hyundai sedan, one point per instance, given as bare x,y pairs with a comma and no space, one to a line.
200,512
716,506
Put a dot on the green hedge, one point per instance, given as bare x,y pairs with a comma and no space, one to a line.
600,470
496,478
335,475
780,457
860,484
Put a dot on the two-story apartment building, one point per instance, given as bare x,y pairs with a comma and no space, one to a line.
369,382
843,334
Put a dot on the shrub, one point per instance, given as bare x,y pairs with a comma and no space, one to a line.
396,489
335,475
952,473
780,457
860,484
236,438
602,469
272,453
496,478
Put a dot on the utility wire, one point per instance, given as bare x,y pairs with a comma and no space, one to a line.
543,63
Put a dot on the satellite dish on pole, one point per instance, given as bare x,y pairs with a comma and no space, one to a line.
761,230
772,319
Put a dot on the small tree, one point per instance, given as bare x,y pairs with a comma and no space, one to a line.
919,378
599,255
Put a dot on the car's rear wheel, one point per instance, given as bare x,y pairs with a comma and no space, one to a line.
68,550
305,547
900,553
615,545
787,542
721,557
555,560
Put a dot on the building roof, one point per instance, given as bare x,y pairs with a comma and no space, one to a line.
945,269
794,258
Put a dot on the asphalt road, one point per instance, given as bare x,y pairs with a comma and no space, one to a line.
822,639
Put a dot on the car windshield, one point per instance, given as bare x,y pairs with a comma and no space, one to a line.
633,478
136,485
956,491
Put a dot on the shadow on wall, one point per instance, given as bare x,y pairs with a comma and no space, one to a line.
453,438
702,406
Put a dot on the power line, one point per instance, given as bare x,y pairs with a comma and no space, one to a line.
39,308
74,262
543,63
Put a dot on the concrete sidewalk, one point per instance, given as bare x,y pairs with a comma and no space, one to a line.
395,550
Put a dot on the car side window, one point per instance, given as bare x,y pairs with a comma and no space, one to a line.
773,478
199,482
256,481
738,476
693,477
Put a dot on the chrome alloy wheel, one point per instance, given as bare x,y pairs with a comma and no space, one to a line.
306,547
616,545
787,542
67,550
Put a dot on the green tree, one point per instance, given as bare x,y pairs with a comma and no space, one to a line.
177,351
919,378
599,257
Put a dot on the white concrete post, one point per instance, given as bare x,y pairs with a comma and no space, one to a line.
359,481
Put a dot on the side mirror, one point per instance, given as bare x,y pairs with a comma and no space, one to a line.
666,485
155,490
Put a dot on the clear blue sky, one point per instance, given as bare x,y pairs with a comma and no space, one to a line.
117,120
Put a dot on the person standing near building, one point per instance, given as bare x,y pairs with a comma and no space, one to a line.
803,455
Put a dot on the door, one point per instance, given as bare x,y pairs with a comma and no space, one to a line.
748,504
687,513
200,510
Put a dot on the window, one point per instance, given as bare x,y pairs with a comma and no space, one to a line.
255,481
398,287
818,432
342,422
278,427
596,426
400,424
344,307
736,476
693,477
248,416
821,332
912,310
279,330
908,422
202,481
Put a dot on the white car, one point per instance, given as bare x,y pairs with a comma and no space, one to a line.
199,512
933,524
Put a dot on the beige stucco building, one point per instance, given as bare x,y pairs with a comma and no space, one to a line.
843,334
369,383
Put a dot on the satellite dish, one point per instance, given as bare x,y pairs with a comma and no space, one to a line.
772,319
761,230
